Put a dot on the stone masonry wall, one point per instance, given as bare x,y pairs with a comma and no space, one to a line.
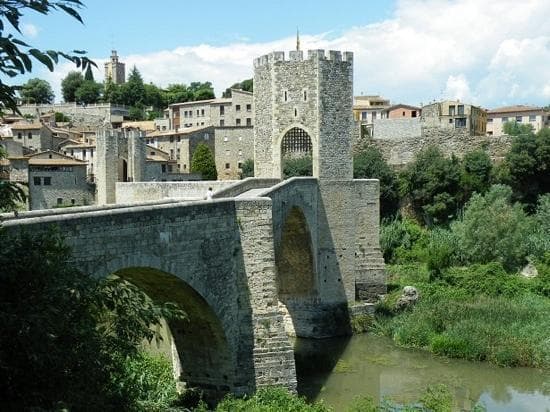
133,192
223,251
399,152
233,145
396,129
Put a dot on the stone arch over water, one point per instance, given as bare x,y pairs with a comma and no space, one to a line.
197,347
295,259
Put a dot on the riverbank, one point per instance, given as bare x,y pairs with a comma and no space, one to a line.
477,313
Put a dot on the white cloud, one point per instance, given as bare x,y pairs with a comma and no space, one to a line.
29,30
493,52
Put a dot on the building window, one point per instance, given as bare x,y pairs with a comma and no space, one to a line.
460,122
185,166
238,122
190,113
248,107
47,181
518,119
450,121
178,139
240,152
163,168
305,95
169,168
237,107
489,120
29,135
171,139
373,115
202,112
240,165
532,118
171,153
222,123
153,153
83,153
248,121
36,181
403,114
461,110
198,112
413,113
363,115
19,135
504,119
59,201
206,136
295,112
285,96
227,166
222,110
91,152
73,201
452,110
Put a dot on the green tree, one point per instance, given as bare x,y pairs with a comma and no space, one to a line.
88,75
70,84
515,129
176,93
112,92
12,195
16,56
246,85
297,166
494,229
153,97
369,164
247,169
37,91
527,167
133,91
477,170
88,92
432,185
203,162
202,91
67,337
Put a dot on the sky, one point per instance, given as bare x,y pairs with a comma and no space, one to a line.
489,53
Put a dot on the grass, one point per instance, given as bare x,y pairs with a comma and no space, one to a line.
478,313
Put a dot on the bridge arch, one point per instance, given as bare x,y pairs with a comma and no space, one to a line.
296,141
294,258
197,347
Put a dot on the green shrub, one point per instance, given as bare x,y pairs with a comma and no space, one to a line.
297,166
441,251
203,163
539,239
492,229
437,398
402,240
270,400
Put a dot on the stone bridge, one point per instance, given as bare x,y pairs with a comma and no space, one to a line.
250,270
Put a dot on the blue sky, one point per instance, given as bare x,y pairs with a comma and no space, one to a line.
491,53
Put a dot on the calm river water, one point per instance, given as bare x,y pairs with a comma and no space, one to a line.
337,370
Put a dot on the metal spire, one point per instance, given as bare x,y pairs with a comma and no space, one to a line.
297,39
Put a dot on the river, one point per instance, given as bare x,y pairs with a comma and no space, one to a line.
337,370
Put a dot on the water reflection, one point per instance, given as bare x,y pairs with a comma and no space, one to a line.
337,370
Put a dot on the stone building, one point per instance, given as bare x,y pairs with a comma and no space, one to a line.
115,70
454,114
56,180
367,109
34,136
403,111
532,115
181,144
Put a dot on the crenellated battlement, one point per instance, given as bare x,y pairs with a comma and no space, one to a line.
298,55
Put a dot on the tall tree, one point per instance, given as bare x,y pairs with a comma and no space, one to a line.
70,84
246,85
202,91
16,56
37,91
203,162
88,92
176,93
133,91
88,75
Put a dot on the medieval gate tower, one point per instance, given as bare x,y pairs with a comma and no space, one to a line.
304,106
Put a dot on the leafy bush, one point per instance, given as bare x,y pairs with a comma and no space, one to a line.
402,240
492,229
432,185
297,166
270,400
476,173
441,251
539,239
247,169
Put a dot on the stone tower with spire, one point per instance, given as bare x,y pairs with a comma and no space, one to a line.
115,70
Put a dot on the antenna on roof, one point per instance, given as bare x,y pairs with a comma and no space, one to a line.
297,39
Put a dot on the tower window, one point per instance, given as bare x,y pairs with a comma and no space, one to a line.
286,96
305,95
295,112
